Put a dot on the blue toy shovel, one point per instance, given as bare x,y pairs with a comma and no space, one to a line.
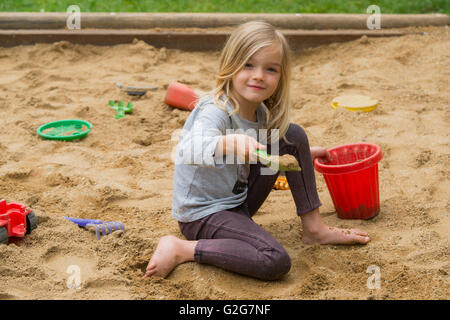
101,228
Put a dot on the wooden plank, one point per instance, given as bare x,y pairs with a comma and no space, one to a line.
123,20
188,41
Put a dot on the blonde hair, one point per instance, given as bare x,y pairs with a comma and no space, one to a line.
244,42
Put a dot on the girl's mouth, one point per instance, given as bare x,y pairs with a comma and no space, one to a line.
255,87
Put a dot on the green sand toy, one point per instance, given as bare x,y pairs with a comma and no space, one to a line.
283,165
120,107
65,130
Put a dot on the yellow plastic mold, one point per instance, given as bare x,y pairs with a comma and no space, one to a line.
355,102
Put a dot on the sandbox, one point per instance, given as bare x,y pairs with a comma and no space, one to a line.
122,171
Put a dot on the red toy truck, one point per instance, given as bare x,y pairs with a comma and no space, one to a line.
15,220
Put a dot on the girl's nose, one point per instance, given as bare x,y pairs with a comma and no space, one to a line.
258,73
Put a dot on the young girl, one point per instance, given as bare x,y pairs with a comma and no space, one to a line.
214,201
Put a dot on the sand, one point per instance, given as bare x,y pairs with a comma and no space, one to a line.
289,161
122,171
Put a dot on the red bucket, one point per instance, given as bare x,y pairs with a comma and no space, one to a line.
181,96
352,179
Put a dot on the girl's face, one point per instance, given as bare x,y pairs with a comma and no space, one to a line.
259,78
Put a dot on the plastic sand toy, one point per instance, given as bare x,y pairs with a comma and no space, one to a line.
355,103
65,130
120,108
285,162
135,91
281,183
101,228
352,179
15,220
181,96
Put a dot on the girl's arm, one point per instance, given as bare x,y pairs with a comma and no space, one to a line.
198,140
241,145
203,142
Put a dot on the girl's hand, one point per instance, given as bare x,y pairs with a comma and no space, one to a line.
242,145
321,153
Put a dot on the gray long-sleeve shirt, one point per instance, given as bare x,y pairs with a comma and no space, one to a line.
203,181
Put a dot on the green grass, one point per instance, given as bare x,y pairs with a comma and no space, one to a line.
241,6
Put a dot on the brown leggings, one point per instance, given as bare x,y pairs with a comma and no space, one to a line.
231,240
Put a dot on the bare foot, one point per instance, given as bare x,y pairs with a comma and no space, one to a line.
315,231
170,252
329,235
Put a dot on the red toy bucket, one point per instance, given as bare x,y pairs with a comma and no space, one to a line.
352,179
181,96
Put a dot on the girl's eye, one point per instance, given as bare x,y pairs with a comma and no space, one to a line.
272,70
248,65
